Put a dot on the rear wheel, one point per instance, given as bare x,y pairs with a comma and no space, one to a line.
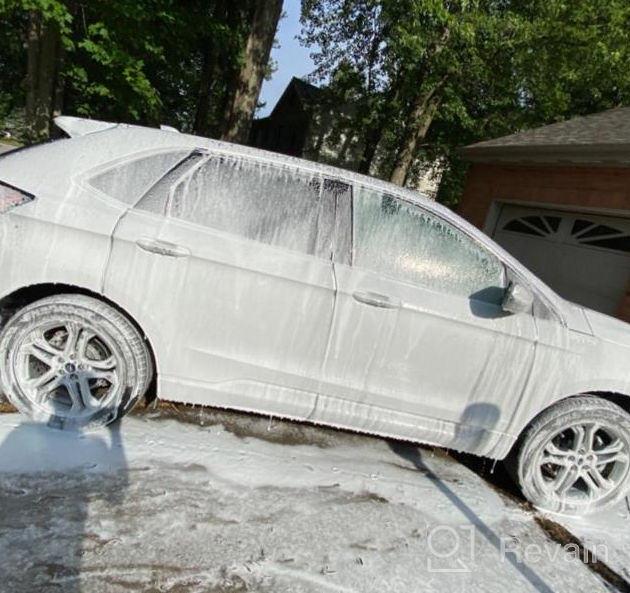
73,362
575,457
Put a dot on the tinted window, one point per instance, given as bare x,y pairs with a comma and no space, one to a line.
262,202
129,181
407,243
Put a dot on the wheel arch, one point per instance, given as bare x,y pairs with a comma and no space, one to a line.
621,399
22,297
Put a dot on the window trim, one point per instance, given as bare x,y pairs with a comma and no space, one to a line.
182,178
136,206
342,247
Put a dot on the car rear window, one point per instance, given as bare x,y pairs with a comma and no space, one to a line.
129,181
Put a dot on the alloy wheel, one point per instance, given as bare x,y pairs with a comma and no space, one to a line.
68,368
583,462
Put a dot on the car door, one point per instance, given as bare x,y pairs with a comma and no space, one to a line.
420,346
230,262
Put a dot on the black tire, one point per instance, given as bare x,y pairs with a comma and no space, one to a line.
102,337
554,435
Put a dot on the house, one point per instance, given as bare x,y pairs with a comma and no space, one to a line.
288,128
302,125
558,199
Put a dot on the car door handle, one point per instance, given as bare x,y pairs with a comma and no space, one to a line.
162,247
376,300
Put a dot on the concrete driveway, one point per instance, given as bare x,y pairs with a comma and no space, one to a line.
222,502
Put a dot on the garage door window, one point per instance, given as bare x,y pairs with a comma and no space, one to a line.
598,235
588,233
405,242
539,226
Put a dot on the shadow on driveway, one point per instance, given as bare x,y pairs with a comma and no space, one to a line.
413,454
45,500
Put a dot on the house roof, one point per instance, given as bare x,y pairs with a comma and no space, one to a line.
598,138
306,93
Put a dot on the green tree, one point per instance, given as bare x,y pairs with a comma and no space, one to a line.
452,72
412,58
11,69
556,60
351,62
42,26
191,63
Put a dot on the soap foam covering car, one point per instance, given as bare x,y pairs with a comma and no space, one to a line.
243,279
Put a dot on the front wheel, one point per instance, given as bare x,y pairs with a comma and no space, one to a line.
575,457
73,362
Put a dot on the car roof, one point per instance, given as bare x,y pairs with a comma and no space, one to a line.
166,137
96,143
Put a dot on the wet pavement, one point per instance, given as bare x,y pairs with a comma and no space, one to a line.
196,500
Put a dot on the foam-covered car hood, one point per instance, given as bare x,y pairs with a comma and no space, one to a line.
608,328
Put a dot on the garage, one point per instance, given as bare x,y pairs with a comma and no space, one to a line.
558,198
584,258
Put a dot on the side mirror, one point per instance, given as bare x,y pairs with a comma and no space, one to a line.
518,299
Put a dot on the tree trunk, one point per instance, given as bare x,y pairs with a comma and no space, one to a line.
43,82
420,119
375,131
372,139
422,112
213,72
345,146
201,125
250,76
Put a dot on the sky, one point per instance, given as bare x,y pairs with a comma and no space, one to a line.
291,58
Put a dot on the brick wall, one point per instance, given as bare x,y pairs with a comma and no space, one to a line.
552,185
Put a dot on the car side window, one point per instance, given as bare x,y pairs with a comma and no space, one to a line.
403,241
262,202
130,180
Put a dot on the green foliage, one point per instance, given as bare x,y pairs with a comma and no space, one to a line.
496,67
135,61
11,92
486,67
53,11
107,74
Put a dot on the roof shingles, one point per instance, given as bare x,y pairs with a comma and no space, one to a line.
584,137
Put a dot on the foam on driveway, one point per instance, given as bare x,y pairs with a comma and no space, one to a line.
606,536
162,505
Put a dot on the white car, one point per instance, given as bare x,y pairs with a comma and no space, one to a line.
243,279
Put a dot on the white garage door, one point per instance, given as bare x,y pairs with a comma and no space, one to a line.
584,258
